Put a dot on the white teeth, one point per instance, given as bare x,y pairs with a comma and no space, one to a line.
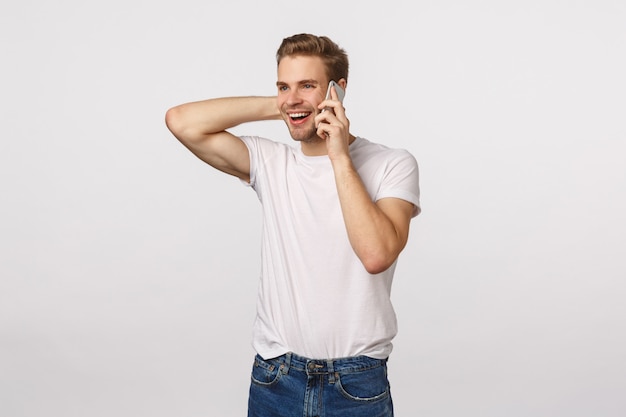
298,114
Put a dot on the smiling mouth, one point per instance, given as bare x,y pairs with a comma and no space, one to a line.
299,116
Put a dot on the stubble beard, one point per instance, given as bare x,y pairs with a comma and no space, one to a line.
306,135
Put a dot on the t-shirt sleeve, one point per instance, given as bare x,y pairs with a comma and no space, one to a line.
252,142
263,152
401,180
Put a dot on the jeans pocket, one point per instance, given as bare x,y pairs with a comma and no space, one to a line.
367,385
266,372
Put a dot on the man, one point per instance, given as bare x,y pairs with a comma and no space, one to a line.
336,215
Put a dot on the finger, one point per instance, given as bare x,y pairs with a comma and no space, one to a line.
333,93
325,130
329,102
327,117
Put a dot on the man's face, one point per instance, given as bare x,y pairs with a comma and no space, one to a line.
302,84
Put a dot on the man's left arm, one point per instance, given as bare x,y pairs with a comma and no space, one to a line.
378,231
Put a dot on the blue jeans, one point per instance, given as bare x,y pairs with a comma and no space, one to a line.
293,386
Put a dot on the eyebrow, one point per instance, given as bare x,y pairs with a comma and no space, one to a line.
301,82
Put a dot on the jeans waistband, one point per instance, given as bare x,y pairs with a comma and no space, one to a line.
328,366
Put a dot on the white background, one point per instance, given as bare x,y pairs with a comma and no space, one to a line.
128,268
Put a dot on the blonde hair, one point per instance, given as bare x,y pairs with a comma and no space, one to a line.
334,57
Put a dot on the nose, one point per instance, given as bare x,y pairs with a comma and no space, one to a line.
293,97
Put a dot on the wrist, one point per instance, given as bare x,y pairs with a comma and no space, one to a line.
341,162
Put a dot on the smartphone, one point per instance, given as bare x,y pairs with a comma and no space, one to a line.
340,92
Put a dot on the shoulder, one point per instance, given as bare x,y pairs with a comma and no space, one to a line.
264,144
265,147
261,142
366,150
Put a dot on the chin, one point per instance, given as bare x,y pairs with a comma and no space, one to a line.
315,139
299,135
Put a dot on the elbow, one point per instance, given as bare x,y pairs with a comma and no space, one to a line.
375,263
173,121
177,121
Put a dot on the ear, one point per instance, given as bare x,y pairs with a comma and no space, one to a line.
342,83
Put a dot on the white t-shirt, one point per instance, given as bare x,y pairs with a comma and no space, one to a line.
315,297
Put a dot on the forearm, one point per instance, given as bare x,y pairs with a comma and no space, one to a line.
374,237
195,120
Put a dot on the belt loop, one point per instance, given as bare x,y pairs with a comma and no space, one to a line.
284,367
331,372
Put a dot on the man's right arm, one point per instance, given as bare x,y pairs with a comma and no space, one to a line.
201,127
